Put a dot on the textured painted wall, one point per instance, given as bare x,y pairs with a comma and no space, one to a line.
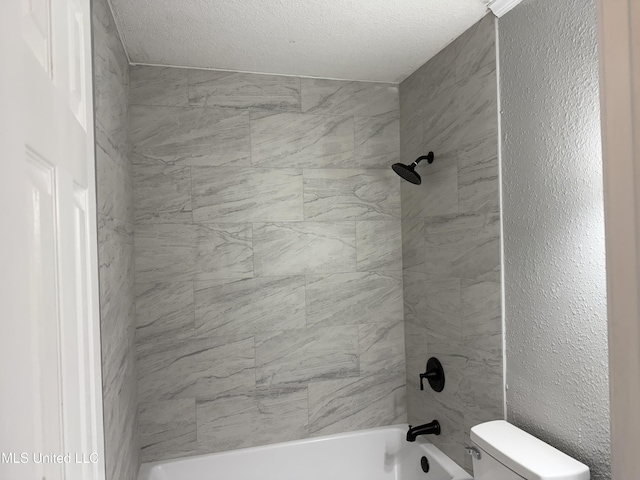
451,237
268,258
555,284
115,253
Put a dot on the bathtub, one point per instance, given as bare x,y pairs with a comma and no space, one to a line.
376,454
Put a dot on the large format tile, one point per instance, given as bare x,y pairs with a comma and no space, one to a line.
415,297
162,194
365,194
167,429
475,48
166,86
379,245
282,139
246,194
381,348
263,304
189,136
353,298
482,384
438,193
195,368
475,106
377,142
223,250
338,97
356,403
442,310
116,271
413,244
212,88
463,246
296,357
164,252
114,188
164,310
246,420
478,181
482,315
304,248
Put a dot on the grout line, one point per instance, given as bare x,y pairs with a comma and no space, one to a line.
290,75
120,31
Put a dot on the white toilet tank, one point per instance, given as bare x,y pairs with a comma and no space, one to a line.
508,453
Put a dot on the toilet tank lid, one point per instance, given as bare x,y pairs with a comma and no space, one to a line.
526,455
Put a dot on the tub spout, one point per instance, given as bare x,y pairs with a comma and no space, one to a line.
431,428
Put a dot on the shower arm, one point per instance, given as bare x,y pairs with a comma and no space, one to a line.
428,158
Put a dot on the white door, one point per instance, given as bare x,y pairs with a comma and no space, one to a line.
50,356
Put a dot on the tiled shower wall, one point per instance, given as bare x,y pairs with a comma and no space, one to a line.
268,258
115,254
451,237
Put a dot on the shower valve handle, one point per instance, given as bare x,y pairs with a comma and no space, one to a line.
434,373
430,374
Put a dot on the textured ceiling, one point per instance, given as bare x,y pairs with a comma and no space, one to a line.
375,40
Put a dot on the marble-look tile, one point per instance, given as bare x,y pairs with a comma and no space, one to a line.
415,298
482,315
263,304
411,93
482,384
353,298
475,48
377,142
246,420
296,357
360,99
164,252
116,271
121,418
381,348
304,248
195,368
439,75
441,119
163,86
379,245
109,40
442,309
438,193
356,403
478,182
164,311
451,419
413,244
167,429
162,194
223,250
189,136
463,246
353,194
287,139
475,105
111,87
211,88
411,137
246,194
114,188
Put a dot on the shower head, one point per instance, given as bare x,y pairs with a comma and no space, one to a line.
408,172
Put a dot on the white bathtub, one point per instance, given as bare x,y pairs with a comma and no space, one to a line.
376,454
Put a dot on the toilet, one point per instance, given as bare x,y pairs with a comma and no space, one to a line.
502,451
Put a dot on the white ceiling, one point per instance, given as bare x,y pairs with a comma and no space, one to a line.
373,40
